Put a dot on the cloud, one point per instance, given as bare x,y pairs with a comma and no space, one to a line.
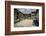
26,10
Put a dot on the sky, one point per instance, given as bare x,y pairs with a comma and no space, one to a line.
26,10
